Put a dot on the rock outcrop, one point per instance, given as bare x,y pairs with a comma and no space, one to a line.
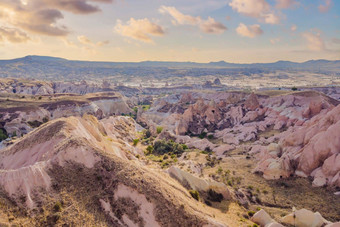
263,219
305,218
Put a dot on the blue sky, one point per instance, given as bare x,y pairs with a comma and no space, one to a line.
163,30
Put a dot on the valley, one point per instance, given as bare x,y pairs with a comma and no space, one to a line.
121,156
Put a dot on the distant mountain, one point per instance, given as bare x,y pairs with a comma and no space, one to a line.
321,63
52,68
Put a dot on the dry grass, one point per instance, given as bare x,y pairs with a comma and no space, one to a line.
276,197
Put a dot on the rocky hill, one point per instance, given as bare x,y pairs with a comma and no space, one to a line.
80,170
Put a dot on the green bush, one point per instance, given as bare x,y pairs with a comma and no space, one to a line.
202,135
147,133
294,88
3,134
251,213
149,149
211,137
57,207
162,147
159,129
135,142
195,194
184,146
146,107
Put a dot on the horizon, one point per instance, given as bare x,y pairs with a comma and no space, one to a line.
240,31
165,61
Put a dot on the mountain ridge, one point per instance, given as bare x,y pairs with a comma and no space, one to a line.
148,62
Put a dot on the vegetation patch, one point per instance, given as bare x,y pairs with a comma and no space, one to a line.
35,123
195,194
3,134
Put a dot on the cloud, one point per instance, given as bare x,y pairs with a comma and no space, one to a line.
13,35
285,4
271,19
324,8
140,29
211,26
250,31
180,17
259,9
42,16
103,43
75,6
86,41
207,26
275,40
293,28
314,41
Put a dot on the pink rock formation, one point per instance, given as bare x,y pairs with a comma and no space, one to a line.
252,102
311,150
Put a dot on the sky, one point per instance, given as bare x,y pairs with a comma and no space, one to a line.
238,31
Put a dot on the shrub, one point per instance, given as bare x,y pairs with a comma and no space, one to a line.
294,88
135,142
146,107
195,194
149,149
57,207
162,147
3,134
202,135
147,133
219,170
159,129
211,137
45,119
35,123
251,213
